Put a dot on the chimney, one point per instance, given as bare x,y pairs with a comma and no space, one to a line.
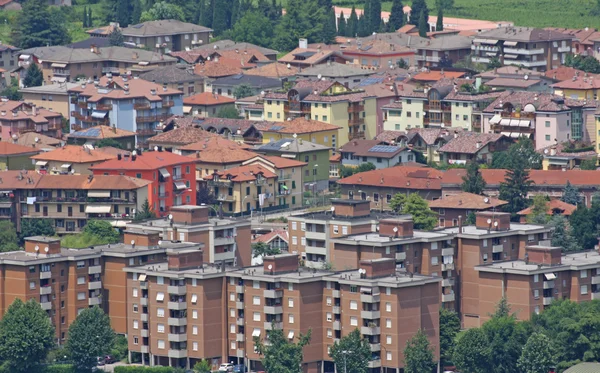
41,245
281,263
478,144
553,150
492,221
34,110
303,43
375,268
544,255
350,207
396,228
165,87
153,92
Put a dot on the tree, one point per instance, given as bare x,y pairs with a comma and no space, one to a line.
90,336
85,17
109,142
516,182
571,194
449,328
473,181
203,366
584,227
260,249
522,151
36,227
282,355
418,7
581,62
418,354
8,236
537,356
102,228
145,212
254,28
221,16
423,25
561,234
471,218
12,91
502,308
243,90
422,215
494,63
357,361
589,164
352,28
396,20
136,11
26,336
228,112
329,27
539,211
33,77
116,38
397,202
341,24
37,26
346,171
506,338
439,25
90,22
472,353
162,10
375,16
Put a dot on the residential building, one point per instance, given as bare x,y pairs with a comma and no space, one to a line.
455,209
172,176
10,5
423,140
346,74
133,105
517,78
16,157
381,155
546,119
584,87
430,77
229,45
314,155
583,39
260,184
17,118
251,108
276,239
166,35
563,73
303,56
275,70
239,129
103,31
69,201
207,104
467,108
70,159
227,85
53,97
566,156
309,130
354,111
174,139
37,140
373,54
379,186
93,135
179,77
537,49
553,207
211,70
63,64
385,93
473,147
438,52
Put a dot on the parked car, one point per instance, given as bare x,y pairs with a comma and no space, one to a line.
227,367
100,361
108,359
240,368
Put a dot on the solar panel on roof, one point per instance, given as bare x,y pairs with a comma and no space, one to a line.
384,149
277,128
90,132
370,81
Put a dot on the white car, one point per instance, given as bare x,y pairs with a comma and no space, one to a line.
226,367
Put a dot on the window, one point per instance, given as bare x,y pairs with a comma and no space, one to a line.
136,340
547,123
294,240
194,298
583,273
353,305
328,316
547,137
160,296
290,286
303,227
291,318
388,291
160,312
194,314
256,316
80,280
536,294
336,229
233,345
465,117
353,289
329,333
584,289
136,324
160,328
232,328
294,226
160,280
303,241
434,260
135,308
536,278
353,321
80,296
408,114
324,118
290,302
256,300
388,356
388,307
388,340
161,344
135,292
256,284
194,330
328,301
344,230
388,323
232,297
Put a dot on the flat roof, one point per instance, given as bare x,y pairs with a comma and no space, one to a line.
400,278
571,261
471,230
377,238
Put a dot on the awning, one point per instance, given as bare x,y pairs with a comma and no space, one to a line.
142,277
256,333
485,41
194,298
24,57
495,119
59,79
164,173
490,54
91,209
515,135
558,161
549,276
160,297
41,163
284,187
66,165
291,335
507,134
514,123
61,65
120,223
510,43
187,109
143,63
99,193
291,156
99,114
505,122
180,185
511,56
5,205
524,123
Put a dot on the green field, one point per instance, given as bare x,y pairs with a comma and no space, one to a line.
536,13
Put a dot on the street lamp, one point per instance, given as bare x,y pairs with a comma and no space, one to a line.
345,352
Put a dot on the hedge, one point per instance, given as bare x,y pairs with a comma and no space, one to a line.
60,368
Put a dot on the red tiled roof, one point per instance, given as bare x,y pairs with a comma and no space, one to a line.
207,99
467,201
434,76
469,142
138,88
218,150
389,136
580,178
244,173
220,68
74,154
147,161
7,148
562,73
268,237
551,207
580,82
274,70
183,135
300,125
398,177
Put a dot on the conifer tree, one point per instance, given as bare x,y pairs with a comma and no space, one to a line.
341,25
352,27
423,25
418,6
85,17
375,16
439,25
396,16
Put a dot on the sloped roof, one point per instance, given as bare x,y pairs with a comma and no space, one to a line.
183,135
98,182
578,178
101,132
291,145
563,73
523,34
171,74
163,27
207,99
298,126
113,88
151,160
398,177
74,154
274,70
220,68
469,142
245,173
255,81
7,149
218,150
68,55
335,70
467,201
270,236
434,76
552,206
28,139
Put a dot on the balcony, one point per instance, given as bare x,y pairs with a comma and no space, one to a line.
448,251
547,300
548,284
177,321
485,48
45,275
61,72
314,235
480,59
375,347
144,285
448,297
447,266
104,107
225,240
401,256
144,333
296,107
375,363
239,289
335,293
227,255
523,51
317,250
356,108
111,69
94,270
94,301
144,349
275,293
595,280
94,285
564,49
356,135
369,298
239,353
178,354
144,301
448,282
144,317
179,337
46,290
336,310
219,183
275,325
526,63
239,305
142,106
239,337
273,310
370,330
46,306
82,104
596,295
177,289
225,198
356,121
177,306
151,118
337,325
497,248
169,103
239,321
370,315
146,132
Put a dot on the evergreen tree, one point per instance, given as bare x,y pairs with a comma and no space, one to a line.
33,77
516,184
136,12
584,227
571,194
366,18
473,182
375,16
38,26
439,25
329,29
561,234
352,28
85,17
362,28
538,212
116,38
418,7
235,7
449,328
90,20
341,25
123,10
207,13
145,212
423,25
396,20
382,26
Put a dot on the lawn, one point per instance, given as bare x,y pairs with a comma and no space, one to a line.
536,13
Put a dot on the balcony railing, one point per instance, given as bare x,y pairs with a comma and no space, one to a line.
141,106
82,104
146,132
168,103
356,121
151,118
356,135
104,107
89,119
356,108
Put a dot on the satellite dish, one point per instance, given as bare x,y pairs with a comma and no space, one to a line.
526,77
133,242
14,136
170,216
134,152
270,267
156,148
214,47
332,208
289,66
46,249
262,93
486,200
489,221
36,248
208,58
395,229
545,151
37,139
319,76
159,242
495,224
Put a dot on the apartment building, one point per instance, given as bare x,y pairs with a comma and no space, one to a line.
438,52
533,48
172,176
356,152
54,97
578,87
314,131
227,85
134,105
546,119
467,147
17,118
207,104
60,64
94,135
179,77
453,208
518,78
70,159
166,35
16,157
178,137
354,111
346,74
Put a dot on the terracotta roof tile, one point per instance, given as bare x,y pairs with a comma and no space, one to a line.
315,56
208,99
74,154
274,70
470,142
244,173
468,201
147,161
541,101
552,206
578,178
563,73
7,148
214,69
28,139
433,76
389,136
101,182
398,177
300,125
101,132
218,150
547,152
184,135
268,237
362,148
138,88
580,82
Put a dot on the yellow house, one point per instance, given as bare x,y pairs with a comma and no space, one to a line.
53,97
306,129
580,88
413,107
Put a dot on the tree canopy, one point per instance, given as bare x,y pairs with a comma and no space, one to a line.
539,209
145,212
36,227
396,15
228,112
449,328
260,249
8,236
282,355
38,25
422,215
163,10
418,354
96,232
571,194
537,355
243,90
358,360
472,352
90,336
473,181
346,171
33,76
116,39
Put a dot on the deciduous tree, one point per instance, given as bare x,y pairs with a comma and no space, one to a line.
539,210
90,336
228,112
423,216
163,10
472,352
254,28
8,236
418,354
449,328
37,26
36,227
260,249
537,355
352,353
282,355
